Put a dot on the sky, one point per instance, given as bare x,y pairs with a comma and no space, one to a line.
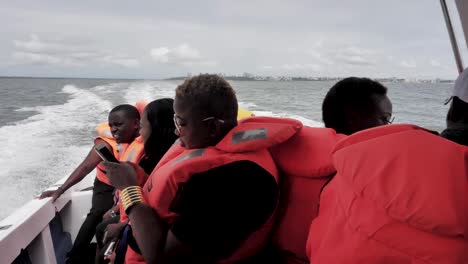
160,39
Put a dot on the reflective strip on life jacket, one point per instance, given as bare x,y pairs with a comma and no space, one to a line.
134,151
248,135
190,155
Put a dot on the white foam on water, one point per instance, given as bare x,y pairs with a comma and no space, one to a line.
106,88
247,105
47,146
149,91
304,120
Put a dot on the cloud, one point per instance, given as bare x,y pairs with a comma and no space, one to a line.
135,29
42,59
301,67
160,54
38,52
326,58
408,63
435,63
121,60
329,54
320,56
34,44
356,60
181,55
356,56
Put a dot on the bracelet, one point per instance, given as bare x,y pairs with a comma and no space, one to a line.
131,196
61,189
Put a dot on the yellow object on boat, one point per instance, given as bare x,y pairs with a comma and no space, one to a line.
243,113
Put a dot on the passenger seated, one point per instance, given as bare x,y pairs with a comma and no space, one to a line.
457,116
212,197
124,123
351,105
399,196
157,133
354,104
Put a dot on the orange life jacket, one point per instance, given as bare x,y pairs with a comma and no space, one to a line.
140,106
400,195
249,140
123,152
105,134
305,165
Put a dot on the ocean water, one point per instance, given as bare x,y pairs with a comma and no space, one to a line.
47,126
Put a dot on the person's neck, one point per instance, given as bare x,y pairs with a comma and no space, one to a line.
457,125
131,140
226,129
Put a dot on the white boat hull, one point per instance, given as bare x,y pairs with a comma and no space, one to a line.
29,229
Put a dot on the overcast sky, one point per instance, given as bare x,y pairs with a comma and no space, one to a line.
159,39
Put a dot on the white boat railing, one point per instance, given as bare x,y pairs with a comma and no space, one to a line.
28,227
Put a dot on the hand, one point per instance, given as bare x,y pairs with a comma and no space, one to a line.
111,258
107,216
121,175
54,194
113,232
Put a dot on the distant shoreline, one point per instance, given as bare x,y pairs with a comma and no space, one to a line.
314,79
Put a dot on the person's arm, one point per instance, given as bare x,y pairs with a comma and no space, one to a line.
152,235
85,167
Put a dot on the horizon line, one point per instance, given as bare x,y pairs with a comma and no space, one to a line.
225,76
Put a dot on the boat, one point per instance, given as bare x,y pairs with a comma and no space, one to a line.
43,232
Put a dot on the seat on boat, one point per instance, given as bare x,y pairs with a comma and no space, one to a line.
305,165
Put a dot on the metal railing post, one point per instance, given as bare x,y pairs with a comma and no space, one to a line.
453,40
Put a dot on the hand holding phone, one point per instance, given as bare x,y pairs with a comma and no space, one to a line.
110,249
105,153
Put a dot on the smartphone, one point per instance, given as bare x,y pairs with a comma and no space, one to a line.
109,249
105,154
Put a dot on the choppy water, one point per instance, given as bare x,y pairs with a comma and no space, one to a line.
47,125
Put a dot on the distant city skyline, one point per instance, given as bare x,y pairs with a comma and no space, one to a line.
251,76
163,39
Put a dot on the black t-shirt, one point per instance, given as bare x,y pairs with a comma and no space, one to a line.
219,208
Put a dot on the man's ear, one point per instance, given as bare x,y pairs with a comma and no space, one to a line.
137,124
350,120
214,128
